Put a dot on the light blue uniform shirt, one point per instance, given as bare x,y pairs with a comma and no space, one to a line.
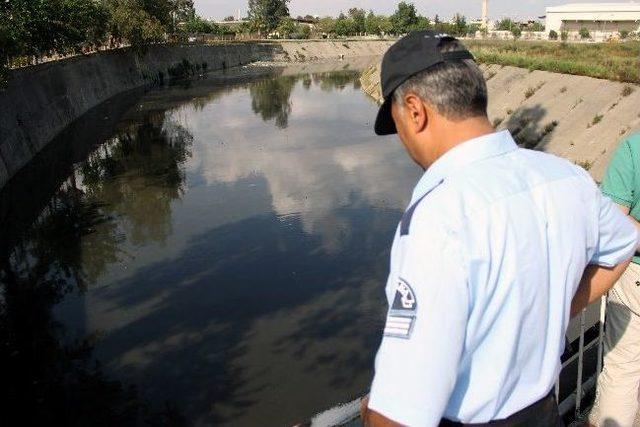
484,267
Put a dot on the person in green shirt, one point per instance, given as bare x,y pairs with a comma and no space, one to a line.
618,385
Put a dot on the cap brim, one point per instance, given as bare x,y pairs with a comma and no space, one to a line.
384,122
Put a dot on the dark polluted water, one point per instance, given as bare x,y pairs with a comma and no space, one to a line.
210,253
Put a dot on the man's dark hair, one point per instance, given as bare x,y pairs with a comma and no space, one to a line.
456,89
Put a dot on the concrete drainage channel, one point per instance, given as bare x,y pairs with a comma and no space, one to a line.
42,100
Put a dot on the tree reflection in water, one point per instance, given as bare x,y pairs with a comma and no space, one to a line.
271,98
119,198
49,377
139,173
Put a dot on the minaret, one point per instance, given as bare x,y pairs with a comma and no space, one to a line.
485,13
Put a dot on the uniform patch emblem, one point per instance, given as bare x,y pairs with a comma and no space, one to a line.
402,314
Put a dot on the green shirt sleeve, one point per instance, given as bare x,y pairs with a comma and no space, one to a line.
618,180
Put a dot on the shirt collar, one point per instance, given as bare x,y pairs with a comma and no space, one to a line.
474,150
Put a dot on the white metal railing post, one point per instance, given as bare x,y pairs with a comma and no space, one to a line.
603,316
580,364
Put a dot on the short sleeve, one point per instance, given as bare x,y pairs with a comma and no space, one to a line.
618,182
418,361
617,235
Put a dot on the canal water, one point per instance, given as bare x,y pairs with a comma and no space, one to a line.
208,253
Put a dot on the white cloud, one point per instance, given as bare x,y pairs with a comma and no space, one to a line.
308,177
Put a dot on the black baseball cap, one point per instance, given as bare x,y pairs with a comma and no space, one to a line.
416,52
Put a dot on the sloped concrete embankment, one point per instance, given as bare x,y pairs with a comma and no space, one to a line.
43,100
313,50
579,118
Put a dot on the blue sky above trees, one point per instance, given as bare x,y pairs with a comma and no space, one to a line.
445,8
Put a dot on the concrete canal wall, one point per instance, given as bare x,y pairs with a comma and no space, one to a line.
41,101
576,117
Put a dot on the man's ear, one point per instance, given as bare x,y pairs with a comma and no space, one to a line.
416,111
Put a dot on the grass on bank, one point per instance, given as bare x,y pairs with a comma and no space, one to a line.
611,61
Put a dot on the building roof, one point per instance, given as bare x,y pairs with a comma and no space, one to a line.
595,7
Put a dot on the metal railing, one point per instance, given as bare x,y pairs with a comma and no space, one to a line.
574,401
347,415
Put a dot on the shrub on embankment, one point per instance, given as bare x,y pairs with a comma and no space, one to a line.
611,61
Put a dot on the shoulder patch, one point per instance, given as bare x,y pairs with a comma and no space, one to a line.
403,311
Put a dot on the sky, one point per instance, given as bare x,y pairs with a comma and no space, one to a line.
218,9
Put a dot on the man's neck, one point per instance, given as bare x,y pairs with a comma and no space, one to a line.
451,134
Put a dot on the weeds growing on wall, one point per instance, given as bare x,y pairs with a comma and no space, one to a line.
627,90
612,61
597,119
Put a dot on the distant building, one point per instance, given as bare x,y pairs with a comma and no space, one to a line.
603,20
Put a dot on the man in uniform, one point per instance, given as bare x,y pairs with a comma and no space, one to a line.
488,257
618,385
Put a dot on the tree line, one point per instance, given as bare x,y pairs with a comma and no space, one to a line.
268,16
43,27
35,28
31,27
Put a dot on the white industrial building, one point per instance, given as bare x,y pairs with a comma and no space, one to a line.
603,20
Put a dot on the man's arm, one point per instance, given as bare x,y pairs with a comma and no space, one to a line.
372,418
417,364
594,284
618,237
626,210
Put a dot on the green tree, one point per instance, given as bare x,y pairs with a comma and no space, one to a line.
564,36
198,25
304,32
459,27
624,34
162,10
553,35
506,24
423,23
405,18
584,33
265,15
537,26
516,32
372,23
286,28
37,26
472,29
386,26
131,20
344,25
359,19
182,10
327,25
378,24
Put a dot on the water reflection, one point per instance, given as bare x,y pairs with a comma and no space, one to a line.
138,174
271,99
52,377
49,377
230,269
